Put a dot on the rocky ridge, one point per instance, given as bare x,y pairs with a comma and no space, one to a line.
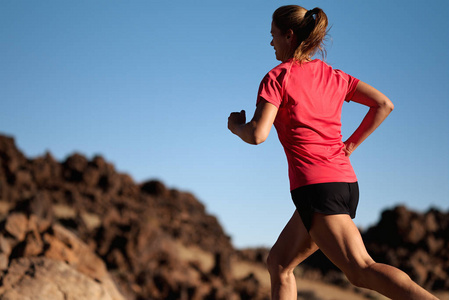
149,241
111,238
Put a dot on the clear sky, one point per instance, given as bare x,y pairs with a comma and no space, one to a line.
149,85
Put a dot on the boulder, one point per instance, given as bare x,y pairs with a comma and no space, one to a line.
44,278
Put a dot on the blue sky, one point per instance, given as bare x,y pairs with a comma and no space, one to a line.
149,85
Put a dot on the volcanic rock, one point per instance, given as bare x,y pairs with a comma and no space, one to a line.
414,242
116,239
130,239
51,279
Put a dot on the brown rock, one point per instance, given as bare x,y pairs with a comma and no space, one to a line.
222,267
249,287
17,225
74,167
128,188
4,261
154,188
430,222
434,245
65,246
91,221
33,242
41,169
419,264
414,242
5,251
24,179
91,176
5,246
40,205
99,163
415,233
11,158
50,279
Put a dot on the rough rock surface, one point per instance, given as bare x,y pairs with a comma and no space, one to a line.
417,243
49,261
124,240
101,224
44,278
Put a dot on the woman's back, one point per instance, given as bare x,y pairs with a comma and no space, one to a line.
314,97
309,97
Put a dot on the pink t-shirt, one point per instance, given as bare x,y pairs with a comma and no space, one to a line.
309,98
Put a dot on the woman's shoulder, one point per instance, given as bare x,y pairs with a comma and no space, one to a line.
325,67
281,67
314,64
280,70
329,67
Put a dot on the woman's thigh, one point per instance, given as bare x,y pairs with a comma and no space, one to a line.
293,245
340,240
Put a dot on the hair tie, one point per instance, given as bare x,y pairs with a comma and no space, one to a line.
310,13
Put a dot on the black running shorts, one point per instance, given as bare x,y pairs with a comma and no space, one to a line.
331,198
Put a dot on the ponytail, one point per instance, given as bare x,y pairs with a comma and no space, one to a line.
313,35
309,26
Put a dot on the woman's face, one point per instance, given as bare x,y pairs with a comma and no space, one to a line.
281,43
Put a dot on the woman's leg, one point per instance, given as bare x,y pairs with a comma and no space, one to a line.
340,240
292,247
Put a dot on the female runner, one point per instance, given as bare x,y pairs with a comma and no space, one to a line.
303,98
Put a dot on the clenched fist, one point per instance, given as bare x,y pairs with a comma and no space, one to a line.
235,120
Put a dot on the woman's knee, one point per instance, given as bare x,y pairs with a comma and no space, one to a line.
276,266
361,275
272,262
356,278
283,260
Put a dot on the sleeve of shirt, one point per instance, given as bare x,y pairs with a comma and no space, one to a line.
352,85
270,90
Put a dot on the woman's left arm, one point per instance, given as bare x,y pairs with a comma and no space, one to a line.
255,131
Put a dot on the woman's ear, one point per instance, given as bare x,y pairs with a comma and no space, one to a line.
289,34
291,37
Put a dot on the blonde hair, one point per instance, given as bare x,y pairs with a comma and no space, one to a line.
309,26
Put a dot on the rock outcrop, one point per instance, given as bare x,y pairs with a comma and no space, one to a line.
121,239
78,229
417,243
28,277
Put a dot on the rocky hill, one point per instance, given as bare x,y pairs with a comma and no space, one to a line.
78,229
154,243
416,243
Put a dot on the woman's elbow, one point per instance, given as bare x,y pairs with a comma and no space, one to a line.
386,104
389,105
259,140
259,137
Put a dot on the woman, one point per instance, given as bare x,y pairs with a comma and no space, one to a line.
303,99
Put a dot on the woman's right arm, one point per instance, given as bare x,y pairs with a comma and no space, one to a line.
379,108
